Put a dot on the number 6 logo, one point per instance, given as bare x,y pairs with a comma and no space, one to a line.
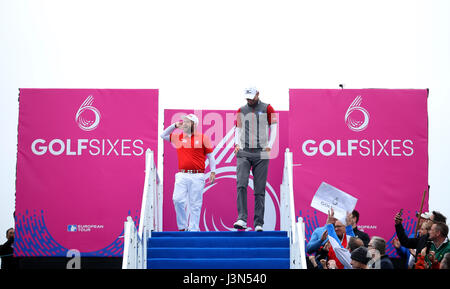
356,124
84,123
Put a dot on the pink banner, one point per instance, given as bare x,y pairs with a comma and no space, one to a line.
80,168
369,143
219,210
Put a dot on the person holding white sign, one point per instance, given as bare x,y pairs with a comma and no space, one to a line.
329,197
340,248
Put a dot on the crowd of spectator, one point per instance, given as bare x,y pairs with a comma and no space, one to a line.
342,246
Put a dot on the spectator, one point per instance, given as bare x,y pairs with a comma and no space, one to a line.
425,228
420,242
320,258
413,243
437,217
359,258
322,255
403,252
408,257
421,264
331,264
318,239
439,242
343,253
445,262
7,251
338,235
354,243
360,234
377,248
424,217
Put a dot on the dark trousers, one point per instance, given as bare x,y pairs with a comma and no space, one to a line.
259,164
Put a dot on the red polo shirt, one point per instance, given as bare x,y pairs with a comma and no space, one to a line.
191,150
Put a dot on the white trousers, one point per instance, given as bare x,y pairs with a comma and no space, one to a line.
188,198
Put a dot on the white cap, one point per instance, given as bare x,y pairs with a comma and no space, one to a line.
192,117
250,92
426,215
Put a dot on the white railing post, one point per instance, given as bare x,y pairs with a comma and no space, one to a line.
130,252
127,246
160,204
301,241
135,243
288,223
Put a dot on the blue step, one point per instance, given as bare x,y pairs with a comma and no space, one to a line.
220,234
214,242
218,250
237,263
199,253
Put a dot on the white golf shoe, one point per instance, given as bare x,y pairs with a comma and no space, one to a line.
240,225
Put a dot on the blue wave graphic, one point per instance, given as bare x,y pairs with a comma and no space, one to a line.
34,240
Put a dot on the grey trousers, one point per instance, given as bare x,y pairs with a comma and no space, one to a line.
259,166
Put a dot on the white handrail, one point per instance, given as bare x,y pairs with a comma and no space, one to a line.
296,231
135,243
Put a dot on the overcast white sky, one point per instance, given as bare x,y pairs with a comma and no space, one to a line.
203,53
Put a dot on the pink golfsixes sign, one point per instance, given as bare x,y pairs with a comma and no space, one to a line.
80,168
371,143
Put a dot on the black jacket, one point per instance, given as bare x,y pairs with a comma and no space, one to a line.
385,263
412,243
6,251
363,236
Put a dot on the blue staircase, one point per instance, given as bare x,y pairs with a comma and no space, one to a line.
218,250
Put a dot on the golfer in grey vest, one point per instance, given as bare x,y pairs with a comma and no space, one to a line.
252,149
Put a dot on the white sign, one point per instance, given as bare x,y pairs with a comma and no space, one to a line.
328,197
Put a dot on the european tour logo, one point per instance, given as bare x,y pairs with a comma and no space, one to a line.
357,120
87,118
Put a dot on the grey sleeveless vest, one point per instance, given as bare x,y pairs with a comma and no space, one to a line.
255,127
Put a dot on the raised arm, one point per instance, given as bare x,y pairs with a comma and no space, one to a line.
316,240
401,235
166,133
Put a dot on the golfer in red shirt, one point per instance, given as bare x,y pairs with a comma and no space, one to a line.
192,148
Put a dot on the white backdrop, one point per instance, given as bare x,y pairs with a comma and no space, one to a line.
203,53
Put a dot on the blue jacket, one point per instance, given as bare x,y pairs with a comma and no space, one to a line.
404,254
314,243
